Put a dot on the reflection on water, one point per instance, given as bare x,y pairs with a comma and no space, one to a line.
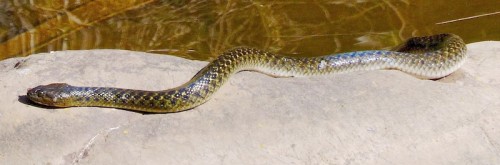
202,29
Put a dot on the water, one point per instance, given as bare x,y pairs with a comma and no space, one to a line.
203,29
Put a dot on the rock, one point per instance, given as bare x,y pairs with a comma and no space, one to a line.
376,117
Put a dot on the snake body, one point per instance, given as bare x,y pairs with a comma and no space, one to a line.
428,57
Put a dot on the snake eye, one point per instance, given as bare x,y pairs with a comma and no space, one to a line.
39,93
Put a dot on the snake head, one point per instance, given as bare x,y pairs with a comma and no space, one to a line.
51,95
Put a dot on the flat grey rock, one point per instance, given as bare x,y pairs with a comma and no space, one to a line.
376,117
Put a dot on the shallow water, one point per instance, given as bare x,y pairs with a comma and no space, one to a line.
203,29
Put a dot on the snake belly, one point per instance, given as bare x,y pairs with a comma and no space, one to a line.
427,57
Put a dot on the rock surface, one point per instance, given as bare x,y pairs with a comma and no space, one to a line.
376,117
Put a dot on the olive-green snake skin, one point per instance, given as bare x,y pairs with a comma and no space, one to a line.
427,57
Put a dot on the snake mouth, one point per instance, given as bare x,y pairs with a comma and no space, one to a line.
47,94
39,96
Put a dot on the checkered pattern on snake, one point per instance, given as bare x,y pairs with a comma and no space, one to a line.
428,57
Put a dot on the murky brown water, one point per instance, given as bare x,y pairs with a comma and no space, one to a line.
202,29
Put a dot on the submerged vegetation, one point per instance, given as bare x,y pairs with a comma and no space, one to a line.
202,29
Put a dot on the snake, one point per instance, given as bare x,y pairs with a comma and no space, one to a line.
425,57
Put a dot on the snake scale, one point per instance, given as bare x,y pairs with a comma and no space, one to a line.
427,57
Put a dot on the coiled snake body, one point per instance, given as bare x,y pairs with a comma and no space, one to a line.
427,57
